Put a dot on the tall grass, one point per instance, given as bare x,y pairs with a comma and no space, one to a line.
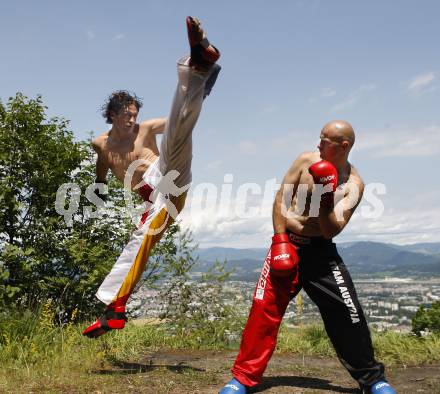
33,349
309,340
392,348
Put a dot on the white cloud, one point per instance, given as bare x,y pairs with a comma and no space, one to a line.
231,232
405,142
216,224
422,84
353,98
410,220
401,225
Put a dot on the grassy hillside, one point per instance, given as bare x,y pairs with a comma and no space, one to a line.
36,353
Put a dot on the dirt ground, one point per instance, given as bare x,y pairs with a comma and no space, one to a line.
206,372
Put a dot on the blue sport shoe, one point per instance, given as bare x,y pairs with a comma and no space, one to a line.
233,387
382,387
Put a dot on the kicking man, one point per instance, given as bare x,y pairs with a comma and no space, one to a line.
161,179
319,194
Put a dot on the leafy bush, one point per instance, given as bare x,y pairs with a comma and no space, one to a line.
41,257
427,319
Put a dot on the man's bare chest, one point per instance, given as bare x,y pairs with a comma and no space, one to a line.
123,154
120,160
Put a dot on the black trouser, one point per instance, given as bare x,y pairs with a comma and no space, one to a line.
326,280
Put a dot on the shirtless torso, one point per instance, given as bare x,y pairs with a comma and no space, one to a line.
117,149
303,216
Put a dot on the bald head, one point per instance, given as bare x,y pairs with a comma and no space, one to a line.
340,130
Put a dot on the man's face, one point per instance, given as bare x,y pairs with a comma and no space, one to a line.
329,145
126,119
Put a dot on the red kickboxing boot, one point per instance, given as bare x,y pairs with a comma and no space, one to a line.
203,54
114,318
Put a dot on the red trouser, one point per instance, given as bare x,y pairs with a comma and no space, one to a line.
327,282
271,297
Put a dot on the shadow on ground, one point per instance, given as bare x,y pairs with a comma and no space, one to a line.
123,367
300,382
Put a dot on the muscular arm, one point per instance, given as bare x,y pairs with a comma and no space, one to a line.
101,163
154,126
332,220
284,196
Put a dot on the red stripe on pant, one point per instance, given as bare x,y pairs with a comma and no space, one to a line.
271,297
145,192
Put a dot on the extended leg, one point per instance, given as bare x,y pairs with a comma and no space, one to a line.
197,75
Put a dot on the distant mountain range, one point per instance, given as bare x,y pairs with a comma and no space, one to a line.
373,259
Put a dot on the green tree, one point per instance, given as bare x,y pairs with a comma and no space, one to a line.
427,319
41,257
36,155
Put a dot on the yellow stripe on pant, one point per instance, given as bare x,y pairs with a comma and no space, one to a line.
147,245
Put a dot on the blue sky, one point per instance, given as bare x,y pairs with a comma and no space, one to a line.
288,68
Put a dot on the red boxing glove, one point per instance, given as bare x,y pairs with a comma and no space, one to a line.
324,173
283,256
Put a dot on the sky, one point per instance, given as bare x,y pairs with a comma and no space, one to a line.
289,67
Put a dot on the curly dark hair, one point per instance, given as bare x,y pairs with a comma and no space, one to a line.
118,101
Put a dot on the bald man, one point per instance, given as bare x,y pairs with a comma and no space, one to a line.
318,196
